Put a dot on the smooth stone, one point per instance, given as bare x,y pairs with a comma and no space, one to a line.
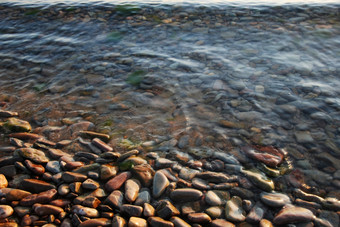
188,174
200,184
22,211
265,223
35,168
256,213
144,173
137,222
159,222
148,210
91,202
221,223
234,211
132,210
3,181
42,197
116,182
90,184
70,177
96,222
16,194
36,186
215,212
118,221
293,214
34,155
9,171
132,187
178,222
63,189
115,199
60,202
85,211
5,211
260,180
186,195
76,187
57,153
303,137
270,156
131,162
7,114
143,197
214,177
53,167
212,199
164,163
46,209
9,224
92,135
87,168
160,183
101,145
107,171
274,199
127,154
166,209
199,218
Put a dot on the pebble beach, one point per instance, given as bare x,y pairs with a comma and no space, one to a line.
169,115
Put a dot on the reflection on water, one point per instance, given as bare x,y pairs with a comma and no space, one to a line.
185,77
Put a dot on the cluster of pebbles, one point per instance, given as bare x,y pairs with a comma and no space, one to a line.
44,184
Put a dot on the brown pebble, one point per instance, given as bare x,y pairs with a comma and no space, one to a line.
137,222
118,221
148,210
221,223
178,222
46,209
199,218
116,182
132,210
43,197
159,222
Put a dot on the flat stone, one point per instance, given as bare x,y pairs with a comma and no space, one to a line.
293,214
200,218
234,211
7,114
256,213
132,187
143,197
188,174
9,171
22,211
144,173
186,195
178,222
115,199
213,199
260,180
116,182
101,145
94,222
91,202
5,211
34,155
118,221
200,184
70,177
130,162
46,209
265,223
214,177
3,181
57,153
35,168
36,186
160,183
303,137
137,222
17,125
274,199
159,222
85,211
53,167
132,210
43,197
221,223
16,194
215,212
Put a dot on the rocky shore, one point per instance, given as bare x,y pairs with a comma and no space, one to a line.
82,180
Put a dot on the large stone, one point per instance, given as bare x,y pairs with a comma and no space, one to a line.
46,209
70,177
36,186
16,125
32,154
132,187
43,197
115,199
292,214
16,194
274,199
85,211
116,182
5,211
165,209
160,183
186,195
3,181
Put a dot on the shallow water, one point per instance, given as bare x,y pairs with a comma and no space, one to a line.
185,76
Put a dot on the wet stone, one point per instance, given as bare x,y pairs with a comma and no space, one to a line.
178,222
256,213
53,167
90,184
213,199
201,218
115,199
274,199
118,221
91,202
160,183
70,177
45,209
16,195
144,173
137,222
215,212
143,197
186,195
260,180
85,211
200,184
43,197
101,145
96,222
293,214
16,125
148,210
265,223
108,171
221,223
166,209
34,155
36,169
132,187
234,211
188,174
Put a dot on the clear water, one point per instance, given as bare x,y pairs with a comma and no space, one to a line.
207,76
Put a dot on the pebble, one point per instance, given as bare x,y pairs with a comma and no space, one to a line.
70,177
118,221
34,155
3,181
148,210
132,187
166,209
90,184
178,222
221,223
115,199
85,211
186,195
213,199
256,213
137,222
275,199
45,209
143,197
108,171
116,182
293,214
144,173
215,212
95,222
159,222
53,167
132,210
5,211
201,218
43,197
16,194
234,211
160,183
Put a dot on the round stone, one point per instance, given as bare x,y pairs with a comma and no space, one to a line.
213,199
5,211
160,183
186,195
132,187
3,181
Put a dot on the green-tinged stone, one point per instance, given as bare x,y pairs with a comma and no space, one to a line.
86,168
33,155
259,179
131,162
17,125
136,77
127,9
126,165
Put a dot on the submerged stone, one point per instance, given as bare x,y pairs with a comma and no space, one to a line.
293,214
34,155
259,179
16,125
234,211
